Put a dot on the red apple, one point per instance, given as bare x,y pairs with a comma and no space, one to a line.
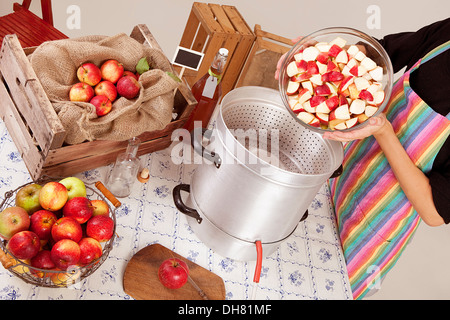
81,92
79,208
173,273
67,228
24,245
90,249
89,73
12,221
112,70
102,105
101,228
65,254
42,260
28,198
53,196
106,88
129,73
42,222
101,208
128,87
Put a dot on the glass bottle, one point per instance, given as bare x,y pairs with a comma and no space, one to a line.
207,91
124,172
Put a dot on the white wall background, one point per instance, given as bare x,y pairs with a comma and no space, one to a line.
422,272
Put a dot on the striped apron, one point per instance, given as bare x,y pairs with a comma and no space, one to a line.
374,217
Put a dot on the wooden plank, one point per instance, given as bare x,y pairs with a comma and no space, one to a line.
29,96
189,32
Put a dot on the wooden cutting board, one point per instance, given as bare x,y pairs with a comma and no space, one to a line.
141,282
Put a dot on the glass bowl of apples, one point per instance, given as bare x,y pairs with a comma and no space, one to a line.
336,79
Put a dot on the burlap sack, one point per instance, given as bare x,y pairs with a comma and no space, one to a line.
56,63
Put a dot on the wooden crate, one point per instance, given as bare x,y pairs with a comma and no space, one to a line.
37,131
211,27
260,67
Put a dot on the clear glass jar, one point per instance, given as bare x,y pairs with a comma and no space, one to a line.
124,172
352,36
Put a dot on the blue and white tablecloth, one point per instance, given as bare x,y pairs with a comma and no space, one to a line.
308,265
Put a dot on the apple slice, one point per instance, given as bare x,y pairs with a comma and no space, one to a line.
332,102
342,57
374,87
351,122
338,41
323,108
332,87
354,92
310,53
362,117
312,68
307,117
366,95
360,56
308,85
307,106
298,108
315,122
316,79
368,63
298,56
377,73
341,112
323,118
331,66
357,106
322,90
316,100
345,83
299,77
304,95
370,110
291,69
361,83
336,122
358,71
352,50
334,50
292,87
323,57
302,65
323,46
292,100
378,97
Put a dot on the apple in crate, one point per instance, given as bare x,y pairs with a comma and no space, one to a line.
112,70
28,198
12,221
75,187
131,74
101,228
106,88
173,273
102,105
81,92
65,254
42,260
128,87
90,250
24,244
67,228
89,73
53,196
78,208
101,208
42,222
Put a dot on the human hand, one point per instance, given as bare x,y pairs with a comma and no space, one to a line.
280,61
375,126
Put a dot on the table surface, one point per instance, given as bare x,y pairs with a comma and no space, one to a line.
308,265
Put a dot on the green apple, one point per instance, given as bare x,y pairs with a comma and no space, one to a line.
28,198
75,187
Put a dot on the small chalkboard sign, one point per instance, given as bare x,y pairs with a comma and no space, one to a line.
188,58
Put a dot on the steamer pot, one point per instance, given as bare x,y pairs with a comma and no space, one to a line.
264,171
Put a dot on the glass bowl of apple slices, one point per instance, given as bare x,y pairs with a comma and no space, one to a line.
336,79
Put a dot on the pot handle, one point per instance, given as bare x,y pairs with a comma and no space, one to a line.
180,204
198,147
338,172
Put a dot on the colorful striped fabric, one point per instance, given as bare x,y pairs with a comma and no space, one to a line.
375,218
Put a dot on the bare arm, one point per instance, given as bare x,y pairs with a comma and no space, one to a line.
412,180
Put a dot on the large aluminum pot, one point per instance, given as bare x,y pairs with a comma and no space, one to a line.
265,171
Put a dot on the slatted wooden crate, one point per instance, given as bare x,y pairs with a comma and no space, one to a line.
260,66
39,135
211,27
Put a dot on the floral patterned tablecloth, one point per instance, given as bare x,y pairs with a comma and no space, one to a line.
308,265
